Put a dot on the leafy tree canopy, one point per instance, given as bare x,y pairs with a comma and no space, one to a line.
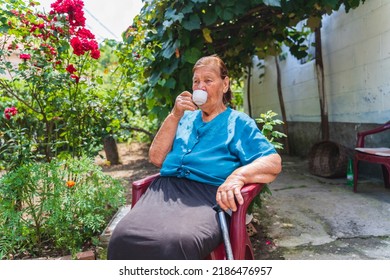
178,33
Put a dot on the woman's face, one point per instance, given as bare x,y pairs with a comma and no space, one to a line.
208,78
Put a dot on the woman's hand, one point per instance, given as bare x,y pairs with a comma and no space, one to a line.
183,102
230,192
262,170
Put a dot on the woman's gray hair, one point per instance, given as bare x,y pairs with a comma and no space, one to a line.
216,60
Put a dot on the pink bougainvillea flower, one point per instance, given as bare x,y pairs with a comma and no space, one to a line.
25,56
9,112
71,69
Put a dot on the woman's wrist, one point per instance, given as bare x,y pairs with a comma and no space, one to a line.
175,115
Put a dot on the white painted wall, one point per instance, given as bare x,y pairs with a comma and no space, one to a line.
356,54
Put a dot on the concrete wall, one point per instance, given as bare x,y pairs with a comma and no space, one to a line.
356,54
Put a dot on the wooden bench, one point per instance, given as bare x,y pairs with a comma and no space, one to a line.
372,155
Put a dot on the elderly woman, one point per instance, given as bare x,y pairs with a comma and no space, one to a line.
207,152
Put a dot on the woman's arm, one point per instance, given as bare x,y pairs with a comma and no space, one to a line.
162,142
262,170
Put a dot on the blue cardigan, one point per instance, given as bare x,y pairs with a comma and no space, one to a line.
209,152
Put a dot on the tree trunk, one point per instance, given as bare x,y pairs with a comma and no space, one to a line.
321,86
248,92
111,150
281,103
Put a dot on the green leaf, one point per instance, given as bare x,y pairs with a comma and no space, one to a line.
188,9
192,55
169,48
225,13
170,83
192,23
171,14
209,17
167,23
332,3
273,3
154,78
169,68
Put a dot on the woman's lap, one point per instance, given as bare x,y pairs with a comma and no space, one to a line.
173,220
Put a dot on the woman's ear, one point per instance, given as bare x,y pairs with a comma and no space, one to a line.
226,83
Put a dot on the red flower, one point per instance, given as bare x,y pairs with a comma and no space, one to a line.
80,46
84,33
75,77
74,9
95,54
77,46
71,69
42,16
9,112
32,29
25,56
13,46
89,45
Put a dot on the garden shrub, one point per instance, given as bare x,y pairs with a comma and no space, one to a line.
58,206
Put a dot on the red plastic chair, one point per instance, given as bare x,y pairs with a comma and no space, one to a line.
369,156
239,239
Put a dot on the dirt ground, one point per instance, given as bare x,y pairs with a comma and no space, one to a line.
135,165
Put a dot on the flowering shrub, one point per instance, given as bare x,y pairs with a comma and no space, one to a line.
62,205
54,108
47,64
9,112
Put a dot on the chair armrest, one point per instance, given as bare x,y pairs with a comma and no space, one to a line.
139,187
237,225
248,192
361,135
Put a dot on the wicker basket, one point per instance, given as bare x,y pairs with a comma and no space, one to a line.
328,159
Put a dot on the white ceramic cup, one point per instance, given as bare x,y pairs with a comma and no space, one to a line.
199,97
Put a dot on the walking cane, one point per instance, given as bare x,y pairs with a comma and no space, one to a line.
225,232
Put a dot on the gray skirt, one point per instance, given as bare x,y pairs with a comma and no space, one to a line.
174,220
